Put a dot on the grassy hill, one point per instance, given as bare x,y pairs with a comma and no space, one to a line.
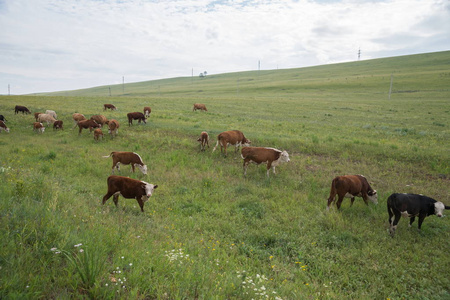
209,232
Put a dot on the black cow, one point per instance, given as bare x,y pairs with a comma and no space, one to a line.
2,118
20,108
411,206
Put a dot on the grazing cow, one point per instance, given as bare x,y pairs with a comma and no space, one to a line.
100,119
36,115
127,158
20,108
232,137
351,186
38,127
147,111
411,206
129,188
77,118
51,113
110,106
2,118
46,118
85,124
199,106
3,127
97,134
58,125
273,157
204,140
113,127
136,116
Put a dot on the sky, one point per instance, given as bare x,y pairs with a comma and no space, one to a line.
56,45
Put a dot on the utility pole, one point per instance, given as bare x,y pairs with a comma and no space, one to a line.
390,87
109,91
359,53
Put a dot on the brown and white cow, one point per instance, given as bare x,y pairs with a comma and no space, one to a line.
204,140
136,116
110,106
99,119
351,186
97,134
113,127
85,124
199,106
128,188
51,113
232,137
3,127
36,115
58,125
20,108
271,156
77,118
147,111
38,127
127,158
46,118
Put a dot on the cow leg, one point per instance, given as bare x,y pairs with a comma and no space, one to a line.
107,196
351,201
411,220
116,199
330,200
393,227
132,167
141,203
339,202
269,164
245,165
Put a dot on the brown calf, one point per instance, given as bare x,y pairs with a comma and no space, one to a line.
38,127
351,186
20,108
100,119
136,116
199,106
77,118
58,125
232,137
271,156
129,188
85,124
97,134
3,127
113,126
127,158
147,111
110,106
204,140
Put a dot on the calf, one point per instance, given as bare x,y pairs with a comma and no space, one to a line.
351,186
85,124
129,188
110,106
3,127
204,140
199,106
127,158
58,125
2,118
147,111
272,157
38,127
51,113
97,134
77,118
232,137
46,118
113,127
36,115
20,108
99,119
136,116
411,206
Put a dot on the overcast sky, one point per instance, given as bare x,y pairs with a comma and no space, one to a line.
59,45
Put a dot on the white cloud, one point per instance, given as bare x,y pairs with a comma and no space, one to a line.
58,45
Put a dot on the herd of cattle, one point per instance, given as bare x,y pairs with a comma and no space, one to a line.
347,186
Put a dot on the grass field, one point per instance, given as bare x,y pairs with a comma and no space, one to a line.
208,232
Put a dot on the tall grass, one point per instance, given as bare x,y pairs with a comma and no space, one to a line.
208,232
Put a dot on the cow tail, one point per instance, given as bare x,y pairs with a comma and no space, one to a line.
108,155
217,144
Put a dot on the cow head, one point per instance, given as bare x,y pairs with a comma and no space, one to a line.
148,188
439,209
373,196
5,129
284,157
246,142
143,168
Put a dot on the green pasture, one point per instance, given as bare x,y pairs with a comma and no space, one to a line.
208,232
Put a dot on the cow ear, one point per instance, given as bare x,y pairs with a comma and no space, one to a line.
155,186
447,207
